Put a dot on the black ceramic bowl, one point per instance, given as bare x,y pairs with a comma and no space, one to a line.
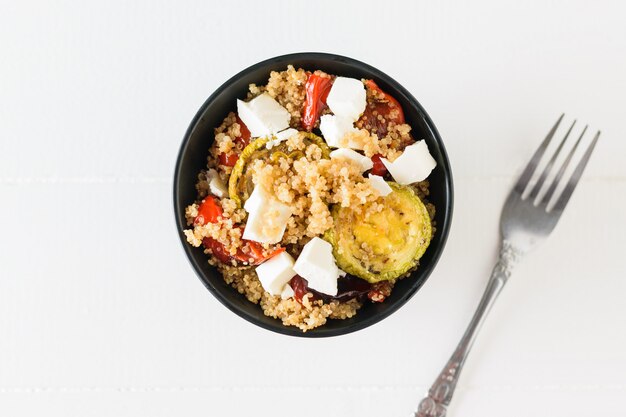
192,159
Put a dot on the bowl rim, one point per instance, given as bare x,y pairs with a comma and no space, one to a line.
443,227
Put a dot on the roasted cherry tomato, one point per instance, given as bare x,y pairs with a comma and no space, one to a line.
256,253
379,168
393,104
209,211
381,104
217,249
379,292
228,160
252,256
348,287
317,89
244,139
299,286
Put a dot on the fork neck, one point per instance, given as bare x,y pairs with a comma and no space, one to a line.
509,256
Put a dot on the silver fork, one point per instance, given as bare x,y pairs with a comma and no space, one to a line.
526,221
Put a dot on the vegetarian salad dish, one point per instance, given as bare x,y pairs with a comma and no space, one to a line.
314,198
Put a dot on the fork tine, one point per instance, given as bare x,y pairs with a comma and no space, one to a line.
521,184
557,179
546,171
573,181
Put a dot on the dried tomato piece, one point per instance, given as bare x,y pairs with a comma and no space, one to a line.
348,287
317,88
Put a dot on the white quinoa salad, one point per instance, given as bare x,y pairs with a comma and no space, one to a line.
314,198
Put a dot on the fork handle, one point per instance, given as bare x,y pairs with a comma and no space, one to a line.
440,393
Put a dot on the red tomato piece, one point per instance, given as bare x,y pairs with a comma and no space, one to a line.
244,139
228,160
317,89
392,102
217,249
276,252
299,286
256,249
380,104
250,254
379,168
376,296
209,211
256,253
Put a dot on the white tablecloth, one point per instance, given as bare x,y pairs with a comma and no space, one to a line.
100,313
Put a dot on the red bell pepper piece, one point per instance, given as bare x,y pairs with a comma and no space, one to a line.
209,211
317,89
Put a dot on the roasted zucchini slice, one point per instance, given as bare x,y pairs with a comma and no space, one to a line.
383,245
240,183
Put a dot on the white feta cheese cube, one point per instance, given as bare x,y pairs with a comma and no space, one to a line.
414,165
364,162
267,217
334,129
267,226
216,185
281,136
286,134
317,265
379,184
263,115
276,272
287,292
347,98
256,200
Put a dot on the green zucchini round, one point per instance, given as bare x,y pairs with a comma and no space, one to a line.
384,245
240,183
